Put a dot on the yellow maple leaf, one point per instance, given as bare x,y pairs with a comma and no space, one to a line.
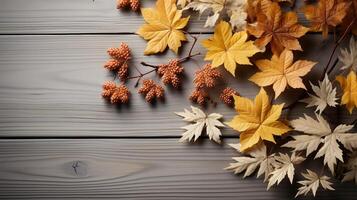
349,86
280,72
228,49
164,27
258,120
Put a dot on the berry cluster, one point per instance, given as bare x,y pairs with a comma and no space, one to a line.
208,78
119,62
171,73
134,5
227,95
115,93
151,90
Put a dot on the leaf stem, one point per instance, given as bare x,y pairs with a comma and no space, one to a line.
139,77
195,39
181,60
149,65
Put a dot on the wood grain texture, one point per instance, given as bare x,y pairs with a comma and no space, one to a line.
51,85
131,169
79,16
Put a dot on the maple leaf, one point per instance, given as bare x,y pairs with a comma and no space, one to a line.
348,57
281,71
257,120
234,9
327,13
325,95
183,3
312,182
257,157
280,29
349,86
319,131
228,49
284,167
351,166
200,120
163,27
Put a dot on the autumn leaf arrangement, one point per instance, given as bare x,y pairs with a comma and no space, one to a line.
269,145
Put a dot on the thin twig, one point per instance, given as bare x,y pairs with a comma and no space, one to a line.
335,47
138,70
149,65
184,59
194,42
141,75
181,60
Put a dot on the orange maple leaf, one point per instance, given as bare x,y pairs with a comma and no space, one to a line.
327,13
280,29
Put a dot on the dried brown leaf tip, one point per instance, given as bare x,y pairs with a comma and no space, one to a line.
171,73
200,96
115,93
134,5
206,77
119,62
226,96
151,90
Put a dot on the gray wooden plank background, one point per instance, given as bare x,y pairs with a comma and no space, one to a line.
51,85
79,16
131,169
51,57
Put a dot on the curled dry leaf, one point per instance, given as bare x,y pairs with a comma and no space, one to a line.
319,132
348,57
256,158
326,14
164,27
284,166
258,120
280,72
226,48
279,29
200,120
312,182
349,86
325,94
234,9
